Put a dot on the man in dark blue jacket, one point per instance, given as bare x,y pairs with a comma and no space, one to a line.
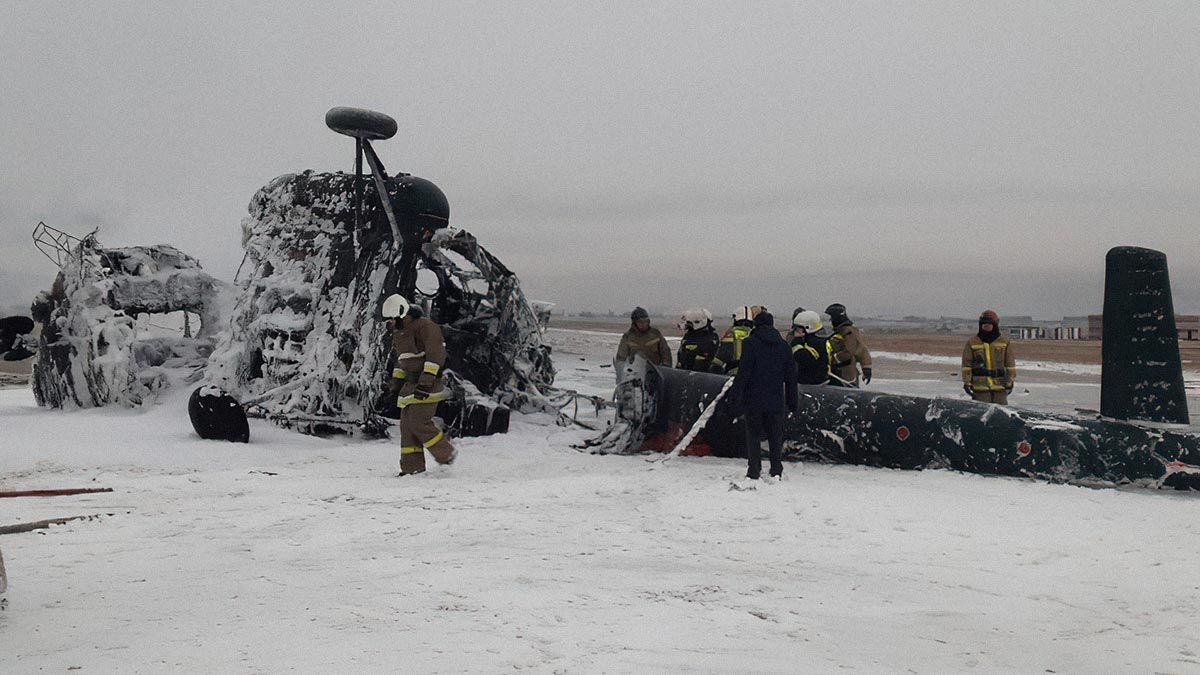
763,391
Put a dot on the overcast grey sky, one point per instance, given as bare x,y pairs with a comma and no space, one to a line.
932,158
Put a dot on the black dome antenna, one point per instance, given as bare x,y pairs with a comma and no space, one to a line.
365,126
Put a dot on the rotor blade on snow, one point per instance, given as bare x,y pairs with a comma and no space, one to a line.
51,493
43,524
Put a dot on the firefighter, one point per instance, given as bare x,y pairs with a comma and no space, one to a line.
644,339
810,350
700,340
988,368
417,379
729,351
849,350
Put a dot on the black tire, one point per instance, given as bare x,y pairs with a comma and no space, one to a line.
360,123
18,354
17,325
216,415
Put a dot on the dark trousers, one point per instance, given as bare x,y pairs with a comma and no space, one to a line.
758,425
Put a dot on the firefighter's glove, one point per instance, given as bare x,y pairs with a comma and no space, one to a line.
421,393
866,376
969,389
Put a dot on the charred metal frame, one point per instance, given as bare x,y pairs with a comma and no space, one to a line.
325,250
89,353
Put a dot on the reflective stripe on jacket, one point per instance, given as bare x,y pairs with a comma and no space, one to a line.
988,366
697,349
729,352
650,344
811,355
420,355
849,351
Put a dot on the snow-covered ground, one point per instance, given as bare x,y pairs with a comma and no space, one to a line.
302,555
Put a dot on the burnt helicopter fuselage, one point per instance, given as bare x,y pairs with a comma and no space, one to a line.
657,406
91,351
307,345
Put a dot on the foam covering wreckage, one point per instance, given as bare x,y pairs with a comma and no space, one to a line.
657,406
308,346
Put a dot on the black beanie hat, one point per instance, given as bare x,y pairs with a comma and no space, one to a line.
837,314
638,313
764,319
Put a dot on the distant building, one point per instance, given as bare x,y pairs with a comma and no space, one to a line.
1187,326
1023,328
1028,328
1075,328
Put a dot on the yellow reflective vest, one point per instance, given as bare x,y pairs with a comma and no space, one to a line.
988,366
729,351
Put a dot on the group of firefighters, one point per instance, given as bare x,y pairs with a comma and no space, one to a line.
830,351
826,348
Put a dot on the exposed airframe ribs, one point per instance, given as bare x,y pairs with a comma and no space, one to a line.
55,244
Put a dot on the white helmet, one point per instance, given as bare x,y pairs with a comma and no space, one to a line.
395,307
808,320
745,313
696,316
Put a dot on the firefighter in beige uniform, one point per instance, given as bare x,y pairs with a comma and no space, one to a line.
988,367
417,378
642,338
849,349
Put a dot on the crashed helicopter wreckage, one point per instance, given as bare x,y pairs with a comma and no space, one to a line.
92,350
306,345
1142,439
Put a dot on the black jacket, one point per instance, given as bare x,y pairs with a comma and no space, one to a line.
697,349
766,377
812,359
729,349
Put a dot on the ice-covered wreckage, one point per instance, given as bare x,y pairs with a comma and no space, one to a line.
306,346
92,350
1140,437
